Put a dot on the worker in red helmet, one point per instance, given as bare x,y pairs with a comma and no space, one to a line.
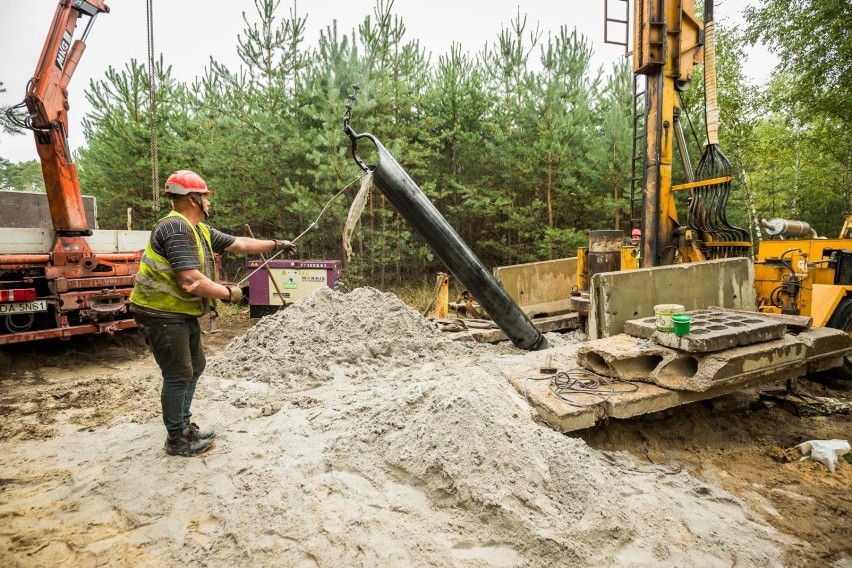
635,239
174,287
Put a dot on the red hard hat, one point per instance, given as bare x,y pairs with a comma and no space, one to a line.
636,233
183,182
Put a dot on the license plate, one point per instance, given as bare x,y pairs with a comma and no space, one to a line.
24,307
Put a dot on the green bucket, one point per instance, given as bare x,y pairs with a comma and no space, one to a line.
680,324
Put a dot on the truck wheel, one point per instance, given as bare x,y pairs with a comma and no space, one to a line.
842,319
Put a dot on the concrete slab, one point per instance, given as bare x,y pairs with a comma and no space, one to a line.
538,282
617,297
572,412
702,372
711,331
825,341
546,309
793,323
624,357
561,415
568,412
630,358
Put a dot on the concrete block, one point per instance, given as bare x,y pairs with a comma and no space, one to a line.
825,342
617,297
701,372
711,331
625,357
538,282
583,411
637,359
566,412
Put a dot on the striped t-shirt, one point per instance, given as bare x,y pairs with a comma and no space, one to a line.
173,240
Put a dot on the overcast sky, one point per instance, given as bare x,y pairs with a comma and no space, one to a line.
189,32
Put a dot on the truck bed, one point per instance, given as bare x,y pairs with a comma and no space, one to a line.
39,241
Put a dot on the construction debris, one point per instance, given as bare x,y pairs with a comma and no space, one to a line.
387,443
806,405
824,451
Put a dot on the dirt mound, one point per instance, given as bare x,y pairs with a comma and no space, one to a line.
421,439
350,433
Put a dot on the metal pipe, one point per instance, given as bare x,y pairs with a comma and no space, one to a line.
7,259
447,245
788,228
24,259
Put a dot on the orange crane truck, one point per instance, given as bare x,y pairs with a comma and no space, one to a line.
68,279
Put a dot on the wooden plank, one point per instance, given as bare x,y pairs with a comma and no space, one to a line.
547,309
562,322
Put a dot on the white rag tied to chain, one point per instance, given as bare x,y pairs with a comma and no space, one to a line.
355,211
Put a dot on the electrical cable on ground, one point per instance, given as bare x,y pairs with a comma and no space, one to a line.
577,381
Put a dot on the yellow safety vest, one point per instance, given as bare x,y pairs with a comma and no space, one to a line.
156,284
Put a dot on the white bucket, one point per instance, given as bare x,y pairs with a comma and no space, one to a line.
664,313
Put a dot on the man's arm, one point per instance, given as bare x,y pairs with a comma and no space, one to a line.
194,282
246,245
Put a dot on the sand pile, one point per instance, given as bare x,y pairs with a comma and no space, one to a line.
410,449
350,433
357,334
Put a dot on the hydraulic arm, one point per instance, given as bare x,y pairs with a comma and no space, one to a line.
667,44
47,103
82,283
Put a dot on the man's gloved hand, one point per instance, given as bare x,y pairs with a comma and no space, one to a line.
288,247
236,294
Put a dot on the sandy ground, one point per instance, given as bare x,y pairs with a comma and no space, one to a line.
349,434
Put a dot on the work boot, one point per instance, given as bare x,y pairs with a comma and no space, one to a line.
208,434
187,444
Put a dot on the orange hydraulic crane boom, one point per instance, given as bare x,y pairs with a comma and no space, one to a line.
47,103
82,283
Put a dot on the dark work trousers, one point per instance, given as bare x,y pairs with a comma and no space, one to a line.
176,345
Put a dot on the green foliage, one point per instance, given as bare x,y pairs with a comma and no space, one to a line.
7,124
807,107
811,38
523,147
115,167
22,176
